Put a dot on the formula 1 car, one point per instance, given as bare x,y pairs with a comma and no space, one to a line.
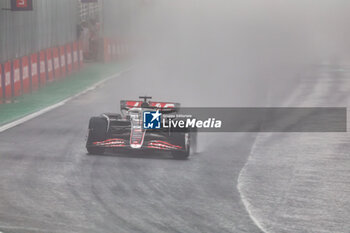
126,131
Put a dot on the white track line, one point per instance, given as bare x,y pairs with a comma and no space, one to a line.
289,101
50,108
246,203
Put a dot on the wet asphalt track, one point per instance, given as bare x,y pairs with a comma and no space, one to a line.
49,184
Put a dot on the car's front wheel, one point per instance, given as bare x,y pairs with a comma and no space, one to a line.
97,133
183,139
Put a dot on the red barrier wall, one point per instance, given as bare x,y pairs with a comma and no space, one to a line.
17,89
75,56
49,64
28,73
114,49
25,75
56,63
119,49
1,83
69,58
8,85
122,48
34,71
63,61
42,68
107,50
81,54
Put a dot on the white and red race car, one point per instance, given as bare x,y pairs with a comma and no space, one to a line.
130,131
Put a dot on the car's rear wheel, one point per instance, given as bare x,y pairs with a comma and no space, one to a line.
184,140
97,133
194,140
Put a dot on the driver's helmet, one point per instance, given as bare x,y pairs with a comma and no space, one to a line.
145,105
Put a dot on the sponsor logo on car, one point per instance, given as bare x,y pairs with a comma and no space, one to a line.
192,123
152,120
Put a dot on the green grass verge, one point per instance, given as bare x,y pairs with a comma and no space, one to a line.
57,91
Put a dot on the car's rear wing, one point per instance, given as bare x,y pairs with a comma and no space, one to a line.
162,106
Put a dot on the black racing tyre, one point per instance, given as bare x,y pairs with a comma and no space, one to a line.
182,139
97,133
193,141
